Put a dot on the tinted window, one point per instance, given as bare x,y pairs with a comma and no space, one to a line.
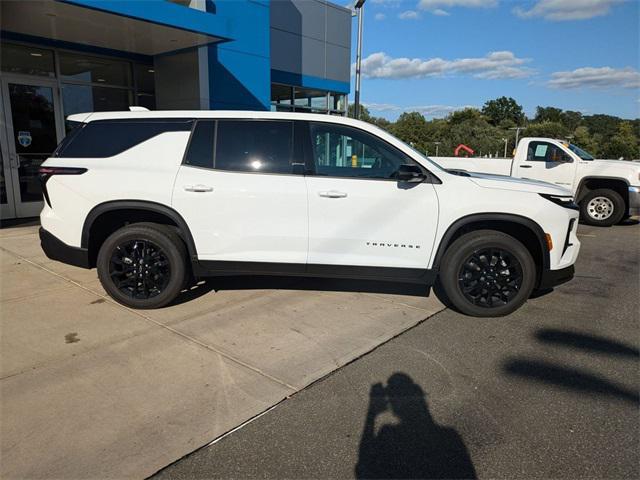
341,151
544,152
106,138
200,153
254,146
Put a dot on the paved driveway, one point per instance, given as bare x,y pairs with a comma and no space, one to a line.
91,389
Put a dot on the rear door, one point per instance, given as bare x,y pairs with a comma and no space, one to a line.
239,194
359,214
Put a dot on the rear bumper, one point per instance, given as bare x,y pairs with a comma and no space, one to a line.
553,278
56,249
634,200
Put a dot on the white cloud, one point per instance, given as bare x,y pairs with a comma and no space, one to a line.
563,10
494,65
380,16
408,15
439,4
596,77
441,13
426,110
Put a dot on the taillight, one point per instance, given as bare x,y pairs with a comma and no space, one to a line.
45,173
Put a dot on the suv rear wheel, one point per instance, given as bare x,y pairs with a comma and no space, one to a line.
602,207
143,265
486,273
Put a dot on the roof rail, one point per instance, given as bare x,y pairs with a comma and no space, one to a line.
135,108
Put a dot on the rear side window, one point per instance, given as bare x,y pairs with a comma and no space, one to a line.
200,152
254,146
106,138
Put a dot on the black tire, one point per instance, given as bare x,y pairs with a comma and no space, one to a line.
602,208
143,265
473,286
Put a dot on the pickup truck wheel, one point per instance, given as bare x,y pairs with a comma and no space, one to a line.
487,274
142,265
602,207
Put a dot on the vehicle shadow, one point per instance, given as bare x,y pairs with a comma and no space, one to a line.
582,341
571,378
264,282
414,446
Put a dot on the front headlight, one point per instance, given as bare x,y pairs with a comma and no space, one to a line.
565,201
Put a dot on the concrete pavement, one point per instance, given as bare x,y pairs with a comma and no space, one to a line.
91,389
550,391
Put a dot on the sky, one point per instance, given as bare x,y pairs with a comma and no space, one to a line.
436,56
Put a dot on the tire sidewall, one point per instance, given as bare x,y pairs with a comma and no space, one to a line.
462,249
162,239
618,208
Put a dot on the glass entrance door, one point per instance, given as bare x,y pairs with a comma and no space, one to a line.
33,128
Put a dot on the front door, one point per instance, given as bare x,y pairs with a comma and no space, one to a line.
359,214
547,162
32,130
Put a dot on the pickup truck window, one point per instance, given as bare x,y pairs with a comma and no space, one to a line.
544,152
580,152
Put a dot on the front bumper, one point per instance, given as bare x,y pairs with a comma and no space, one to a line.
634,200
553,278
56,249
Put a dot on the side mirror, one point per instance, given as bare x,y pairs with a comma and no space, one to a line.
410,173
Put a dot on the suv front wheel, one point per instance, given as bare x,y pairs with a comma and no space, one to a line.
143,265
486,273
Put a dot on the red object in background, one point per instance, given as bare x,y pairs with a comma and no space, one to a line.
456,152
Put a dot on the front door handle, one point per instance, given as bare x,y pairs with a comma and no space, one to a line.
525,166
198,188
332,194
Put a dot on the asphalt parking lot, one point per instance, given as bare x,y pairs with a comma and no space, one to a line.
278,373
548,392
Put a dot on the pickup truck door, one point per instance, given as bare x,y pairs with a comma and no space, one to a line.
359,214
547,162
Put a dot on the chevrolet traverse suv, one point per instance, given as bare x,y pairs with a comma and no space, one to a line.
153,199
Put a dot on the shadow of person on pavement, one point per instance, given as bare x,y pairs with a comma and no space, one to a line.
414,446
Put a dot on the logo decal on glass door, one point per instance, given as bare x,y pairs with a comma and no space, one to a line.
24,138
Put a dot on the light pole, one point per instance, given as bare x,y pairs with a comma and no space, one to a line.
437,144
506,142
358,8
517,129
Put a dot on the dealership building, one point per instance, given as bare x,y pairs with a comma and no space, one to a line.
60,57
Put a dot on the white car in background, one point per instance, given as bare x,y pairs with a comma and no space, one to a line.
154,198
607,191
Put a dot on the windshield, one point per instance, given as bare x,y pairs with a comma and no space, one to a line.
422,155
581,153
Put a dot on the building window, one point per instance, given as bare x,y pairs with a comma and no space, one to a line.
26,60
87,69
286,98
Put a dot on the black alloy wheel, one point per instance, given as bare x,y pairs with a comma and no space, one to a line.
490,277
139,269
143,265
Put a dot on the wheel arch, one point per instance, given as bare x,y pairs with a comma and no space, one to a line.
617,184
106,217
522,228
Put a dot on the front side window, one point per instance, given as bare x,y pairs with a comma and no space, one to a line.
341,151
545,152
260,146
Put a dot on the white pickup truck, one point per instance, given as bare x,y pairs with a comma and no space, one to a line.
607,191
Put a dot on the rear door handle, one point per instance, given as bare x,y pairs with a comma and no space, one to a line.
198,188
332,194
525,166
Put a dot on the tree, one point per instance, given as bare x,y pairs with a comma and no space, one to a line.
548,114
624,143
411,128
503,109
571,119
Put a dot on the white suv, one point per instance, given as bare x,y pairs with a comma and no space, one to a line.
153,199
